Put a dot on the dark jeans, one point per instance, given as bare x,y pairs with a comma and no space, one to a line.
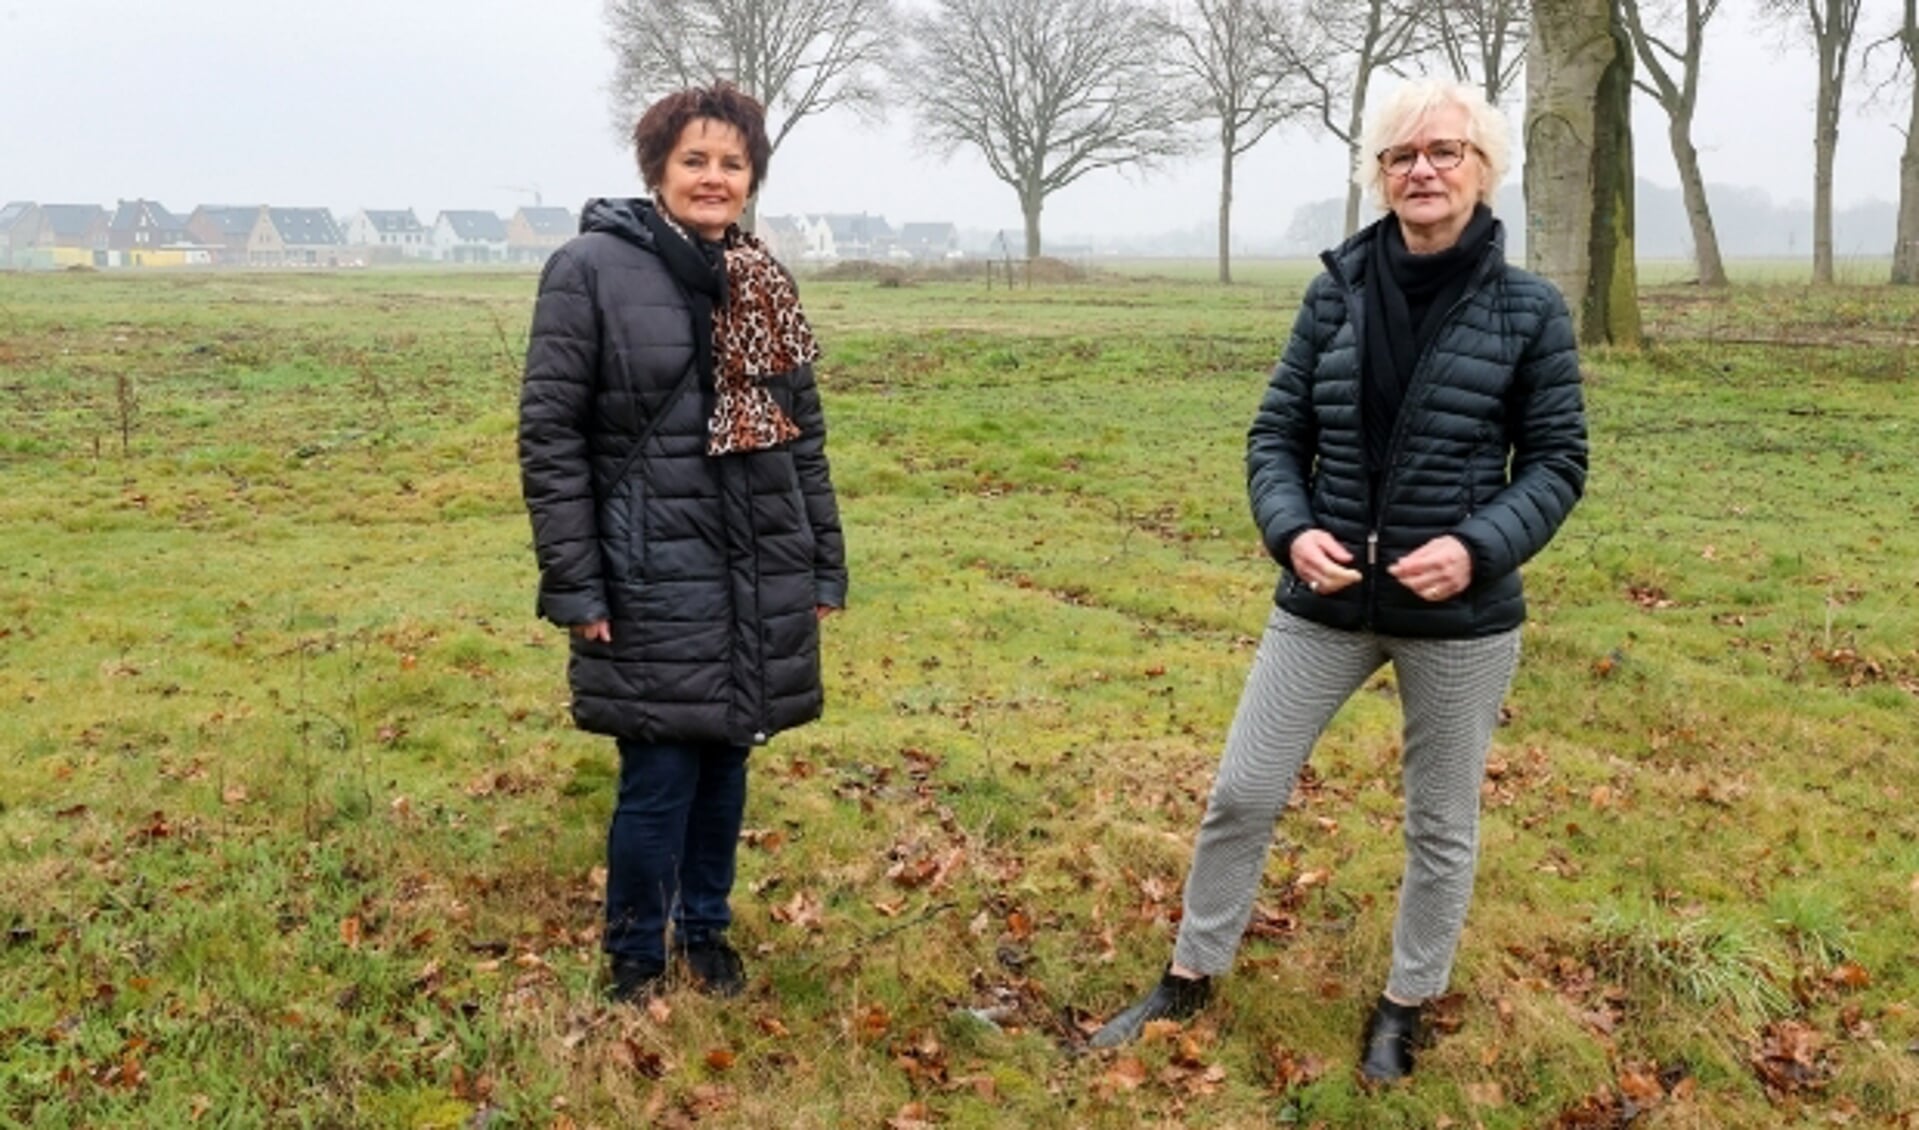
672,844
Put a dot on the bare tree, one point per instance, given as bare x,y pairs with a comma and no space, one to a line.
1223,52
1579,168
1905,250
1672,80
1338,47
1829,24
1046,90
1483,41
798,57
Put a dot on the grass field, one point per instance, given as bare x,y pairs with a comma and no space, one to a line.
294,829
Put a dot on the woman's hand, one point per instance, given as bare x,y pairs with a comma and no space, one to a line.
600,630
1439,570
822,611
1323,563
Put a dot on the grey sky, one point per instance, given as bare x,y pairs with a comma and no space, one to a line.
435,104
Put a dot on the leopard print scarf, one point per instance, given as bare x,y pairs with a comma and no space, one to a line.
758,332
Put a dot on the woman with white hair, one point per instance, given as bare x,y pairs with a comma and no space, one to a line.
1421,438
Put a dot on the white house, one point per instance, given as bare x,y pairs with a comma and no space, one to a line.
838,235
469,237
928,242
388,235
786,236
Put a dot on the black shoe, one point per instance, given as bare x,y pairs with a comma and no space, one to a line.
716,967
634,979
1174,998
1386,1046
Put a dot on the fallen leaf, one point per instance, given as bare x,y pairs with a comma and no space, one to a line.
1126,1074
1159,1030
802,910
720,1059
1849,975
350,929
1294,1069
871,1022
637,1059
1642,1088
912,1116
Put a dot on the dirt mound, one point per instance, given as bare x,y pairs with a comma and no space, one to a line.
863,270
1047,269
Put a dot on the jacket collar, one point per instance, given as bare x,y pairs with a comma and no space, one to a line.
1347,262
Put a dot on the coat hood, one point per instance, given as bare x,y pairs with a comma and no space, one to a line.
624,218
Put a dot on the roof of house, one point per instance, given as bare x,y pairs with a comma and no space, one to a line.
128,214
391,222
926,233
13,212
860,227
781,225
476,227
228,219
72,219
549,221
305,225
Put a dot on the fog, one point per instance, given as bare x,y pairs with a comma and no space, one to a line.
434,104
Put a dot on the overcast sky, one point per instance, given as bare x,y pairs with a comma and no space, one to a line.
434,104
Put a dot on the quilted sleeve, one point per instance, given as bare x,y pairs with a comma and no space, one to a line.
1548,427
556,473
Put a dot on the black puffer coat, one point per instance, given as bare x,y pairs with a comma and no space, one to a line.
708,568
1490,447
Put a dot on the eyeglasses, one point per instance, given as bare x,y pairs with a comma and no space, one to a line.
1443,154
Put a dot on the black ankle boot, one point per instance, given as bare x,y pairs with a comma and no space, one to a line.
716,967
631,980
1386,1046
1174,998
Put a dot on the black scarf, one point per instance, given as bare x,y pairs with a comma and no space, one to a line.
1408,298
700,267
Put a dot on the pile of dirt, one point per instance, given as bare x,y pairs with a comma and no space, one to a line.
863,270
1047,269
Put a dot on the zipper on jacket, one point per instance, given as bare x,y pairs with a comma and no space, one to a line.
1376,501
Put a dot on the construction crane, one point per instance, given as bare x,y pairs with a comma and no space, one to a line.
532,190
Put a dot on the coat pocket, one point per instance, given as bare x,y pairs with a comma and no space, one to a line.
623,531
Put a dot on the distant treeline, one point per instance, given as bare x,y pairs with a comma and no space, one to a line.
1749,222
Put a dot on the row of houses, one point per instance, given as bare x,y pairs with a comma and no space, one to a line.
829,238
143,233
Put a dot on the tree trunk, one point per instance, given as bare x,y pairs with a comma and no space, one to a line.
1825,143
1905,248
1705,240
1226,208
1578,176
1352,162
1030,204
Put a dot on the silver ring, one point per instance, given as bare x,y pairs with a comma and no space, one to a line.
1313,585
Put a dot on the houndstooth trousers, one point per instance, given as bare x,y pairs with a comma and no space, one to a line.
1450,691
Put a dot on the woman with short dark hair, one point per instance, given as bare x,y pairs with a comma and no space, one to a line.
1421,438
673,460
